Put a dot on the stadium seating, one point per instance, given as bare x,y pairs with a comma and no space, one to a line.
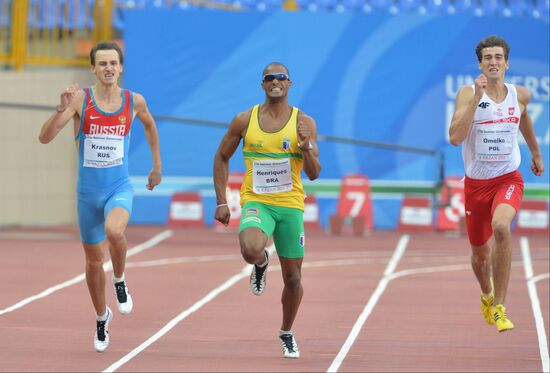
44,14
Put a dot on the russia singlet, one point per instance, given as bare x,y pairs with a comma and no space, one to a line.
103,143
273,164
491,148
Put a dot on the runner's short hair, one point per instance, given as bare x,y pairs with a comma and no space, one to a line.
492,41
106,45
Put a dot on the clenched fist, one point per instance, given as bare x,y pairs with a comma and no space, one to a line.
304,134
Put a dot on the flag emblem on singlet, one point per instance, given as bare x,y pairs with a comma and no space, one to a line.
286,143
511,110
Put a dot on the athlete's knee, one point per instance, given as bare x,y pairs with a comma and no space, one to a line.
251,252
481,258
251,248
481,254
501,229
94,262
114,234
292,280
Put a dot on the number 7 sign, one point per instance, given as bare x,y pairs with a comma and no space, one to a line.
355,198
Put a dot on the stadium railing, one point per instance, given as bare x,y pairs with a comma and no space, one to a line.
52,32
61,32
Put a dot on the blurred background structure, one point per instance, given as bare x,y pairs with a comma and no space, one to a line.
379,76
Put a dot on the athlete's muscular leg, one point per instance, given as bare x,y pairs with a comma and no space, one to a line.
502,250
95,276
253,241
293,291
115,228
481,264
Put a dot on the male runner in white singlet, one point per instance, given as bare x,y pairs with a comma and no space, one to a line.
486,122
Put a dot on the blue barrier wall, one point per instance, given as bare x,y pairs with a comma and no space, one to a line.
375,77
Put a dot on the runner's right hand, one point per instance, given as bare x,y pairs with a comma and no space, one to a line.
480,84
222,214
68,94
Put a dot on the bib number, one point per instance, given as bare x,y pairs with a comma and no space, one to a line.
103,151
271,176
494,143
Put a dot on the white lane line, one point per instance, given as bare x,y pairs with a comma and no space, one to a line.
540,277
183,259
75,280
415,271
320,263
398,253
535,304
245,272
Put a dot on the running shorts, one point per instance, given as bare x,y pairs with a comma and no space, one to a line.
483,196
284,223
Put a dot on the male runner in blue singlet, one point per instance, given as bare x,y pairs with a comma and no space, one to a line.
102,117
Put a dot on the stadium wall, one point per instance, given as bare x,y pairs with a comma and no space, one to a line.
384,78
38,181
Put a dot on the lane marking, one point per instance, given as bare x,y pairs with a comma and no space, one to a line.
245,272
540,277
362,259
398,253
75,280
183,259
388,273
535,304
389,276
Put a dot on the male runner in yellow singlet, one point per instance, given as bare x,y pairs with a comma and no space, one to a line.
278,141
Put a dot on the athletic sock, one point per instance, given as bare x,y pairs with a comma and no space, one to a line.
102,317
116,279
283,332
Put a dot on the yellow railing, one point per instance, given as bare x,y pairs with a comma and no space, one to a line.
52,32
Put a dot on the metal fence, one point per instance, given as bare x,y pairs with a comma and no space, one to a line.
52,32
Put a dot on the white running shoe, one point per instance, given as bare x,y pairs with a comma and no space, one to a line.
290,348
123,298
101,337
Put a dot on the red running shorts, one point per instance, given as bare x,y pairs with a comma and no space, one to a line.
481,197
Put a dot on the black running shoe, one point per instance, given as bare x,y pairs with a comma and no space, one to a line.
123,298
290,348
257,277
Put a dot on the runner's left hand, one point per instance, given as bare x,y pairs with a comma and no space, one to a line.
537,166
304,134
154,179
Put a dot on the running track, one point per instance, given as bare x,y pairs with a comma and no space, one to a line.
386,302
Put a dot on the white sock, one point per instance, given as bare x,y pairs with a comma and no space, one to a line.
115,279
282,332
102,317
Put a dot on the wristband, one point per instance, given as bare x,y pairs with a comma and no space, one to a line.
60,108
307,148
220,205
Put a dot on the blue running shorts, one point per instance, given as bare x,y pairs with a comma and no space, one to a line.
94,207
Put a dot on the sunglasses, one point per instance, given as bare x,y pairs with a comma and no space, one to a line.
272,77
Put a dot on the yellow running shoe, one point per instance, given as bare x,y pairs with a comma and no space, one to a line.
487,308
501,319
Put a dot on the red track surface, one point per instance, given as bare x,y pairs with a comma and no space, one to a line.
421,322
